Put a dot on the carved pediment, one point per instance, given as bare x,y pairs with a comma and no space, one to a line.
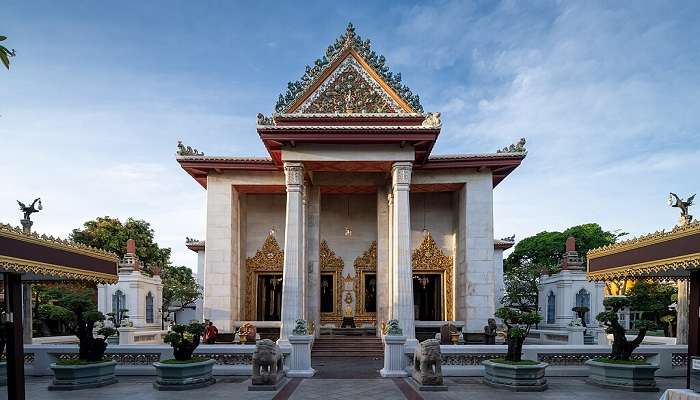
429,256
328,259
270,257
368,260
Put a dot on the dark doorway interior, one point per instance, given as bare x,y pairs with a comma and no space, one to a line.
370,285
269,301
327,291
427,297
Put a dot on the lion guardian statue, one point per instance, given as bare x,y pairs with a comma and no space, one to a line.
427,367
268,365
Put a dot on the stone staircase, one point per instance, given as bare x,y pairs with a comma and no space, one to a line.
338,346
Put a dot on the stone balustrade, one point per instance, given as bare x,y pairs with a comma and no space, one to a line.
137,359
563,360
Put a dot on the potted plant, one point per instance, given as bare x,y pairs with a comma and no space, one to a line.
581,313
512,372
619,370
113,320
184,372
75,309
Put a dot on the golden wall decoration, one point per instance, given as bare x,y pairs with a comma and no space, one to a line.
429,258
366,263
331,263
268,259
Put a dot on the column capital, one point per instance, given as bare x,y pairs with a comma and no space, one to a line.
294,175
401,175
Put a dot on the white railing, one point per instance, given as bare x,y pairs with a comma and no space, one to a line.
563,360
139,336
137,359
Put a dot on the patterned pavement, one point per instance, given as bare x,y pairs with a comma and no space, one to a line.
235,388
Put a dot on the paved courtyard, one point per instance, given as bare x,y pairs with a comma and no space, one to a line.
140,388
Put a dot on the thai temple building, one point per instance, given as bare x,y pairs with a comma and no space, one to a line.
351,218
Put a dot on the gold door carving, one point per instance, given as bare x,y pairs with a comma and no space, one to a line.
429,258
366,263
268,259
331,263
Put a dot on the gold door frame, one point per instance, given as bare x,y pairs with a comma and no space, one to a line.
331,263
363,264
268,260
429,258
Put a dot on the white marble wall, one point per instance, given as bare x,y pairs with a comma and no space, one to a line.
565,285
135,287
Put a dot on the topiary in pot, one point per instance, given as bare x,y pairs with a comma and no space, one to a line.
617,371
518,324
184,339
76,309
184,372
512,372
621,348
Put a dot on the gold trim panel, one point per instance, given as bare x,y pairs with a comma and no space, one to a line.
268,259
429,257
646,240
365,263
650,267
331,263
27,266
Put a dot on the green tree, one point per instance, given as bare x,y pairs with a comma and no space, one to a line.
622,348
180,289
5,53
518,324
653,298
111,234
520,284
547,248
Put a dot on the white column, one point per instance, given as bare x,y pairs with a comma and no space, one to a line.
292,301
383,264
219,299
402,302
313,294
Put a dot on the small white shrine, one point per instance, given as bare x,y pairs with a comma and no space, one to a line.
136,291
559,293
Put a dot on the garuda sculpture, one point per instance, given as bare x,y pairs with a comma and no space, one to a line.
31,209
427,366
675,201
268,366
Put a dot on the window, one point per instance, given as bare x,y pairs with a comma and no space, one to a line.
551,308
583,299
149,308
118,306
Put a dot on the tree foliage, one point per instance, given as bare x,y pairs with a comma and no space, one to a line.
76,309
111,234
184,339
180,289
653,298
520,283
5,53
547,248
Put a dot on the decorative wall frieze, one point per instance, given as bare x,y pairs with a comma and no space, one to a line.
269,258
645,240
401,175
294,174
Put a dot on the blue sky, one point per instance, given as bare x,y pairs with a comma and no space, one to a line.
606,93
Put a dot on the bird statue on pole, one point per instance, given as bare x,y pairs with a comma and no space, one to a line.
28,211
675,201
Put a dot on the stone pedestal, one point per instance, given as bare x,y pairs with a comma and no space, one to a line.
126,335
601,338
394,357
300,362
576,334
401,267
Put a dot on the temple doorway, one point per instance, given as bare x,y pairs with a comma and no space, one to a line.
269,297
427,297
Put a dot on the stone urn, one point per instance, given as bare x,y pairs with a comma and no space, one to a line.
632,377
183,375
518,377
82,375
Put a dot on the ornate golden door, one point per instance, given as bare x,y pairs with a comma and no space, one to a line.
365,286
264,273
331,288
429,260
